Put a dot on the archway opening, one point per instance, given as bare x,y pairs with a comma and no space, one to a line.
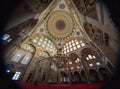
77,78
93,75
104,74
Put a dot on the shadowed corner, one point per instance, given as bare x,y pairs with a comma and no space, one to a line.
77,48
7,7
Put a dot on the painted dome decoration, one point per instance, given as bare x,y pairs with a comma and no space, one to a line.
60,24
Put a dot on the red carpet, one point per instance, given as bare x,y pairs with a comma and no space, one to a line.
62,86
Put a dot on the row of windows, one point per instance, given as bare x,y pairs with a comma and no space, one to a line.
78,67
72,45
76,61
91,64
92,57
19,55
24,58
89,57
44,43
43,54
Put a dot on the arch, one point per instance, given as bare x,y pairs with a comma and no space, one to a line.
28,47
73,57
83,76
88,53
93,75
33,47
28,51
64,77
77,78
74,61
22,56
103,73
44,54
30,76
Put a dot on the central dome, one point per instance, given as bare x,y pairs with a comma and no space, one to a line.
60,24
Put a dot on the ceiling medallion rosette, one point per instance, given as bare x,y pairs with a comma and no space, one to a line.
60,25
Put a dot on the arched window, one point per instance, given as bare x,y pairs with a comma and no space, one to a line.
26,58
16,76
91,57
28,47
43,54
6,37
22,56
74,61
17,56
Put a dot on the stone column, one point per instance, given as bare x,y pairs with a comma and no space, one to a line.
84,67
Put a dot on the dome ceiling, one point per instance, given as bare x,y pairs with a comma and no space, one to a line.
60,24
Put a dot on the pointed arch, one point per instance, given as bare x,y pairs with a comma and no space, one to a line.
104,73
77,77
83,76
74,61
93,75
